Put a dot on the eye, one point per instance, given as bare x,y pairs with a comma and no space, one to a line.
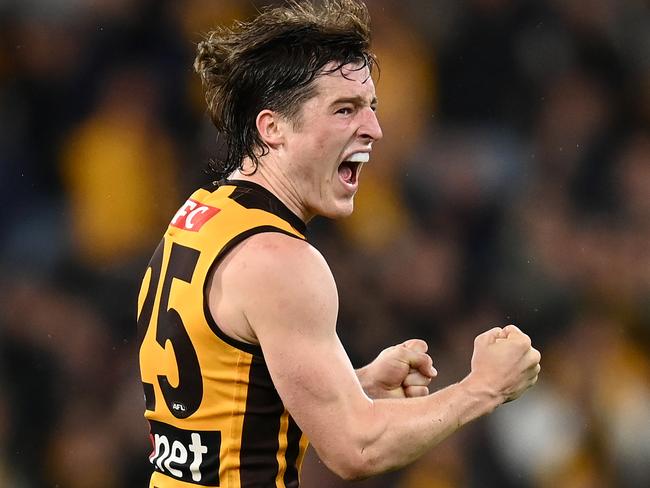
345,110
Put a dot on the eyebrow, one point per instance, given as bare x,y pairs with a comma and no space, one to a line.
357,100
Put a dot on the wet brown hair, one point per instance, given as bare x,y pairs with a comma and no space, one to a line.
270,62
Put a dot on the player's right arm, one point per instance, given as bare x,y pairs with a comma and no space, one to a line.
287,300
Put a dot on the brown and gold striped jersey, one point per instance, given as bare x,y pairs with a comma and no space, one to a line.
215,416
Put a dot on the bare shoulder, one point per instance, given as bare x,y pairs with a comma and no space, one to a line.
280,259
269,280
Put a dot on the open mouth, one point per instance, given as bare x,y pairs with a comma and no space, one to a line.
349,169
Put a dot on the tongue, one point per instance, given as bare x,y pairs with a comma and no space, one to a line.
345,172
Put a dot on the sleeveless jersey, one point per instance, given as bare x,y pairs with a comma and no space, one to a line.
215,417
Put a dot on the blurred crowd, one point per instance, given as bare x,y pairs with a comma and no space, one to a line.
512,186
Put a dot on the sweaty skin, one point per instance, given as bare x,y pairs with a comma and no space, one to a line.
293,316
380,417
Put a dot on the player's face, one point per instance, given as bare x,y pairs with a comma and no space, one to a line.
332,141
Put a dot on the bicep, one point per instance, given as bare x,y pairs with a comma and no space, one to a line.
317,384
294,319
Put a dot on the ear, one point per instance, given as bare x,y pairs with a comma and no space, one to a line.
271,128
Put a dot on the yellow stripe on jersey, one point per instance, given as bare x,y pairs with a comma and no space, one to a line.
215,416
282,450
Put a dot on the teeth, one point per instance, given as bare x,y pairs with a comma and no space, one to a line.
360,157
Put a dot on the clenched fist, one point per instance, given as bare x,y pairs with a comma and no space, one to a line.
504,364
400,371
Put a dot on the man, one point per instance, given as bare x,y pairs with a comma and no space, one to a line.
240,358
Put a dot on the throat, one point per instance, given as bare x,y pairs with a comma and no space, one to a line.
348,171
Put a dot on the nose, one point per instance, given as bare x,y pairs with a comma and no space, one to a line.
370,128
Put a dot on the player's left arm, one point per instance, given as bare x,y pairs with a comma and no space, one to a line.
400,371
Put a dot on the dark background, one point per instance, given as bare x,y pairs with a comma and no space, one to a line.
512,186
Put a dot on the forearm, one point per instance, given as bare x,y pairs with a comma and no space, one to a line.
401,430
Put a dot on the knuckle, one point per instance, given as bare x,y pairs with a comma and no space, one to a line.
416,379
421,344
416,345
418,391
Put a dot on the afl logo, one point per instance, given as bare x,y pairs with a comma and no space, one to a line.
178,407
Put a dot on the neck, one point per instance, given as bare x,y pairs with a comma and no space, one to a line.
276,183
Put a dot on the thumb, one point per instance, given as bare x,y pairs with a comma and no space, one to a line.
511,329
490,336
